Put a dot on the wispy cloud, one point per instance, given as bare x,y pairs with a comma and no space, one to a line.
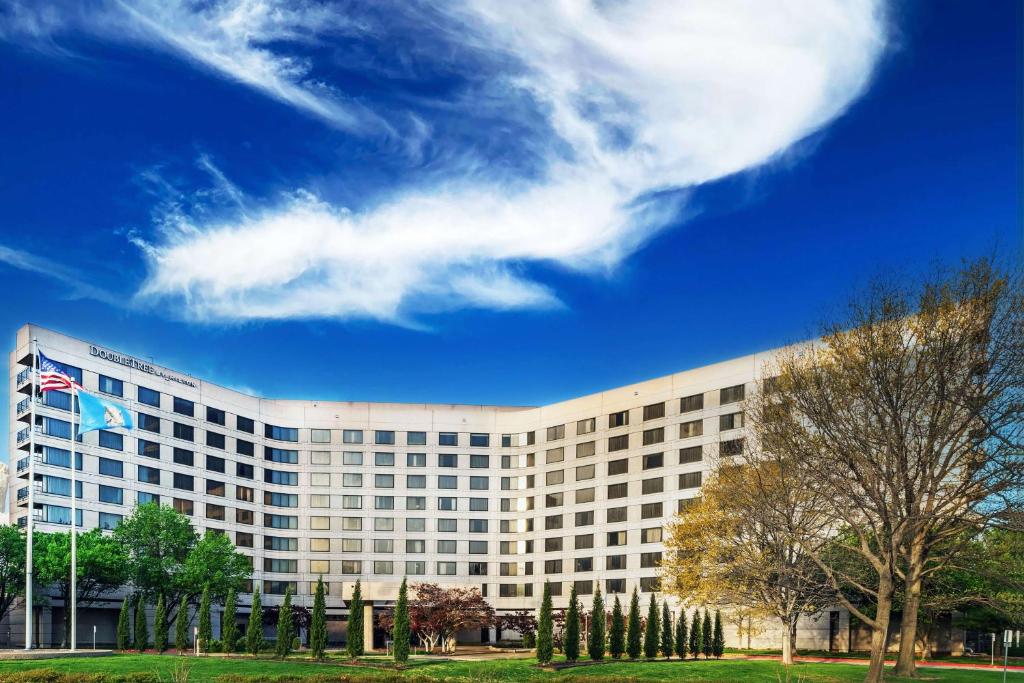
642,102
77,285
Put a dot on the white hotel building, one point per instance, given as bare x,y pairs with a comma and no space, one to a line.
500,498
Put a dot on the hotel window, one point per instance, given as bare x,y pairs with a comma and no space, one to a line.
282,478
243,447
650,584
555,433
383,502
184,407
415,546
351,523
280,521
348,545
583,564
690,480
586,449
149,423
415,481
585,472
281,455
618,443
320,435
281,500
446,569
656,485
351,479
279,587
384,459
352,436
478,569
479,461
583,587
280,433
730,421
554,455
148,449
478,505
416,438
479,440
109,520
320,479
553,500
351,458
351,567
552,545
416,459
184,432
111,494
111,440
651,510
214,488
384,524
182,506
652,535
245,494
618,490
619,419
447,547
383,567
618,467
508,569
244,470
586,426
688,404
244,516
732,447
556,588
415,503
691,455
216,416
478,526
447,439
615,562
109,385
553,522
319,567
654,411
351,502
149,397
111,468
384,481
554,477
584,542
245,424
215,464
184,482
447,481
415,567
478,547
320,458
693,428
447,504
479,483
448,526
585,518
653,436
685,503
649,560
731,394
653,460
386,438
447,460
612,586
416,524
215,512
149,475
585,495
280,543
243,539
383,545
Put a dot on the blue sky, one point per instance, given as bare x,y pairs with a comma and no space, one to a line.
464,203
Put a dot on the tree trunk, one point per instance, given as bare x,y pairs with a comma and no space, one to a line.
787,643
750,626
880,632
906,664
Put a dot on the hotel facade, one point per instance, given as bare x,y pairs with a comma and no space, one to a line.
577,493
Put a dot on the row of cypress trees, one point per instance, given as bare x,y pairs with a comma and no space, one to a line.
626,635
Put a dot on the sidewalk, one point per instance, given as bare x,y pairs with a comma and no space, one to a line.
967,666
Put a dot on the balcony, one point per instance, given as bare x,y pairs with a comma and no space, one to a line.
23,383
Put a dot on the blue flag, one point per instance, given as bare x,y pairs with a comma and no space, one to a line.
100,413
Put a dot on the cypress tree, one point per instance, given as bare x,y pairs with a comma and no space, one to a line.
254,630
617,633
160,625
285,625
718,639
141,630
666,630
595,640
124,635
228,627
707,634
181,627
400,630
633,627
572,628
681,635
318,627
696,635
205,623
545,635
355,644
653,630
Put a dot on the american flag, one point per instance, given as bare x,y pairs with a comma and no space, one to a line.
54,375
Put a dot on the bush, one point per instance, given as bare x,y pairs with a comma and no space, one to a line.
529,639
214,646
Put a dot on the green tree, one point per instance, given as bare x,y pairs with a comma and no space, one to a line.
254,631
141,630
318,627
228,627
12,566
205,622
706,634
160,634
545,628
696,635
101,567
355,645
181,626
633,627
285,625
595,640
617,632
400,630
666,630
124,631
681,635
653,630
718,637
572,628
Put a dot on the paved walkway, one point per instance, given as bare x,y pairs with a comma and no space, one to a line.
967,666
51,654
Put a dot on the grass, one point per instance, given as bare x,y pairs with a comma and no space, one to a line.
958,659
242,670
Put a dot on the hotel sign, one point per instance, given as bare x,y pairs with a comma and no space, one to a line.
136,364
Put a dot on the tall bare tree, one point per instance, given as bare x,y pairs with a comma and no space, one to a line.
907,417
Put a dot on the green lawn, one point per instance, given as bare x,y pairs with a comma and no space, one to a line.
239,670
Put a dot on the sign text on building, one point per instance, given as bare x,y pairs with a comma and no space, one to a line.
137,364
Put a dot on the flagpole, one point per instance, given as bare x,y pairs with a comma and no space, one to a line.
73,596
31,499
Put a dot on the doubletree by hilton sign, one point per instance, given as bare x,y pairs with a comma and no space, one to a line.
137,364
